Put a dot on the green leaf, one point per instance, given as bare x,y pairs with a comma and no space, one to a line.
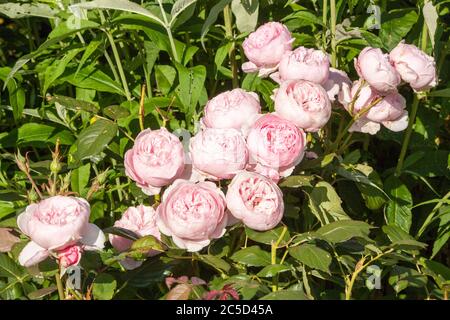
398,210
403,277
401,240
146,244
92,78
73,104
252,256
178,7
215,262
22,10
79,179
104,286
128,234
340,231
190,87
302,18
123,5
286,295
116,112
272,270
312,256
212,17
165,77
267,237
325,204
444,93
89,50
430,16
396,26
443,230
93,139
9,269
151,54
246,13
56,69
297,181
439,272
36,134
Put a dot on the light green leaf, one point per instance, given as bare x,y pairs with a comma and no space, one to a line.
79,179
340,231
272,270
22,10
312,256
252,256
178,7
267,237
104,286
246,13
398,210
396,26
430,16
93,139
212,17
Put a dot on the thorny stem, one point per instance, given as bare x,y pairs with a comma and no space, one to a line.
358,269
274,248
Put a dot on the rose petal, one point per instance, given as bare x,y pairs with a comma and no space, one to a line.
32,254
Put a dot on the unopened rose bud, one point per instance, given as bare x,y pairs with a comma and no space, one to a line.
55,166
33,196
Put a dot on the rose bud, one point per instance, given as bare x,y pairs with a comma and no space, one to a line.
415,66
53,225
192,213
265,47
303,64
156,159
336,79
376,68
69,256
275,144
142,221
304,103
256,200
231,109
218,153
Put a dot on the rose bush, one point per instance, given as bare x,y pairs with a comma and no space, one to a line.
228,150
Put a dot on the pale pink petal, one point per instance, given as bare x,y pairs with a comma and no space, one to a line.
32,254
93,238
248,67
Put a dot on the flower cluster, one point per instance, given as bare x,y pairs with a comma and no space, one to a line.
237,145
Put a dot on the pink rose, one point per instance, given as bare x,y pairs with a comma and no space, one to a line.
265,47
304,103
390,111
218,153
192,213
69,256
275,144
303,64
231,109
156,159
415,66
376,68
335,82
55,224
142,221
256,200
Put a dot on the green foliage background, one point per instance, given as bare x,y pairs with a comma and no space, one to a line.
80,80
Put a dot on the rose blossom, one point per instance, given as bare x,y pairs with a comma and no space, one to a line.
376,68
218,153
142,221
192,213
303,64
70,256
231,109
256,200
55,224
304,103
390,111
265,47
275,144
415,66
156,159
336,79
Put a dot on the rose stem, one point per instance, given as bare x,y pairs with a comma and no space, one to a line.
141,108
333,32
412,116
324,20
228,19
60,286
